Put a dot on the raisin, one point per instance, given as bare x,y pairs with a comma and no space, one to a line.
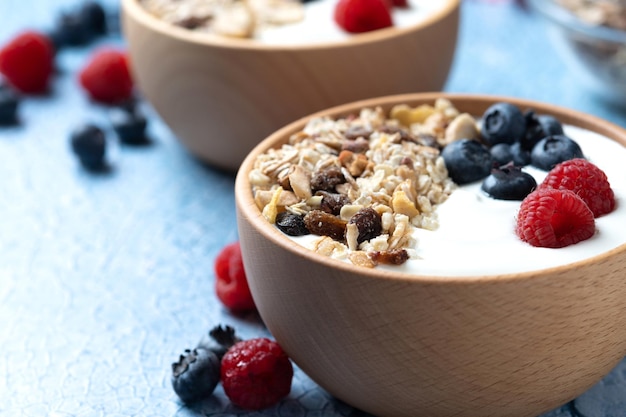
404,134
332,202
325,224
355,132
327,179
390,257
358,145
368,222
291,224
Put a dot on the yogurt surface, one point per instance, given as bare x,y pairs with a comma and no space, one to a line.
319,25
476,233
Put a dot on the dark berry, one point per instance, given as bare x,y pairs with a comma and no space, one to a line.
508,182
368,222
196,374
129,124
9,103
89,144
552,150
256,374
80,26
502,123
291,224
467,161
521,157
218,340
501,153
538,127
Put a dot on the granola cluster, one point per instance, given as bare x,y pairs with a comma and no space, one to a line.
363,182
231,18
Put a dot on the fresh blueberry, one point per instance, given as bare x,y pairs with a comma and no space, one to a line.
521,156
9,103
508,182
129,124
89,144
218,340
502,123
501,153
80,26
467,161
291,224
552,150
538,127
195,375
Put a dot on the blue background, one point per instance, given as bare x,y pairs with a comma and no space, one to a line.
105,279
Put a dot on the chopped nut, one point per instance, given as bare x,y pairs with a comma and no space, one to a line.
361,259
462,127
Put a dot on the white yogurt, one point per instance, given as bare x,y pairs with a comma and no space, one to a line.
319,24
476,234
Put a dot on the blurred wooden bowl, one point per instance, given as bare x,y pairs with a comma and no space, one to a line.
220,97
394,344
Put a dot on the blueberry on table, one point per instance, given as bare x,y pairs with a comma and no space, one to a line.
89,144
552,150
502,123
508,182
129,124
218,340
467,161
9,103
195,375
78,27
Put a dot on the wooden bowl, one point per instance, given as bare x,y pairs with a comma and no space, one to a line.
394,344
220,97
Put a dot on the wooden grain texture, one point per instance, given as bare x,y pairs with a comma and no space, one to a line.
222,97
398,345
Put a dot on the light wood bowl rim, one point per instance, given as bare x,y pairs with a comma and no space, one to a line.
136,12
249,211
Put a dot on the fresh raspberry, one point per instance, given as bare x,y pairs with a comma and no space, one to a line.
403,4
107,77
256,373
356,16
585,179
553,218
27,62
231,284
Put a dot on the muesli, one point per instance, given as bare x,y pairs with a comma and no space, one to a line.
362,182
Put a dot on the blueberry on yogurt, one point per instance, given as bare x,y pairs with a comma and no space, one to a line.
467,161
503,123
508,182
552,150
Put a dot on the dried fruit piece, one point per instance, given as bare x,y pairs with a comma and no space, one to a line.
327,179
390,257
291,224
332,202
368,222
324,224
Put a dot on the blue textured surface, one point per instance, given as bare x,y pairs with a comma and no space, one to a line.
105,279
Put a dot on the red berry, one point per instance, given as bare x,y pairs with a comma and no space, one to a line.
231,284
400,3
585,179
256,373
356,16
27,62
107,77
553,218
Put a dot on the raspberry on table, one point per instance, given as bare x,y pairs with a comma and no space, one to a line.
256,373
356,16
231,284
107,77
585,179
552,218
27,62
